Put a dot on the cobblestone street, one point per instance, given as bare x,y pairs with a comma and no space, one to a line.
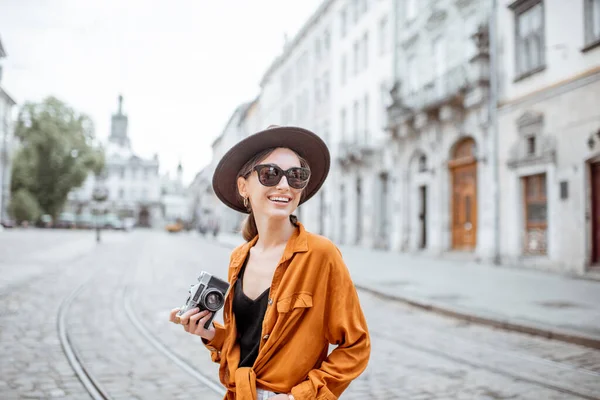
116,323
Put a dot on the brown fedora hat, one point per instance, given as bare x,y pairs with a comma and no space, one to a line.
304,142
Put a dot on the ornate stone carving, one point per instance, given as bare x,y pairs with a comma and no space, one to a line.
530,127
436,18
481,37
464,3
530,123
410,41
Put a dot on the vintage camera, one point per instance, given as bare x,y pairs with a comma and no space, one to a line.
208,294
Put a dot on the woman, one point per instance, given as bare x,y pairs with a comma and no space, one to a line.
291,294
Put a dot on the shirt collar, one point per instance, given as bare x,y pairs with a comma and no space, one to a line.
297,243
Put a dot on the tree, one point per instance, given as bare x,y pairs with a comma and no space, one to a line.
57,152
23,206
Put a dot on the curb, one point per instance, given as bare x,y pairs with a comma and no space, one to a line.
555,334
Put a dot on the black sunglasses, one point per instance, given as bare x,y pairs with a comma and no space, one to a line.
271,174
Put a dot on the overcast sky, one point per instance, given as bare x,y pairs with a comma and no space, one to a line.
181,65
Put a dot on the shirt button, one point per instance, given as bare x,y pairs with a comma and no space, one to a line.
265,337
270,301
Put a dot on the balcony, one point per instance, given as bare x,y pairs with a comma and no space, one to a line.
447,89
355,152
460,88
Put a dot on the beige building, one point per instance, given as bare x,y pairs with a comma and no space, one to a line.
549,127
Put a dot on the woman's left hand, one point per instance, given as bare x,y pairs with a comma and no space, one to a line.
280,397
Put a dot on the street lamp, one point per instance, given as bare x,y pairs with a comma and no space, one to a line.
100,195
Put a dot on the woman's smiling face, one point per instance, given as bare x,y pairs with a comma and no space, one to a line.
277,201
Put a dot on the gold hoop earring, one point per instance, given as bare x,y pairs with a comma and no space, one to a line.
246,203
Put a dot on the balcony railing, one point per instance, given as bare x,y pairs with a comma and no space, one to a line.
355,150
447,88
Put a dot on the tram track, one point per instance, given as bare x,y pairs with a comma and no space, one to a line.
457,359
163,349
459,352
87,379
83,368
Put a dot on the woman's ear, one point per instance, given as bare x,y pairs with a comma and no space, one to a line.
242,186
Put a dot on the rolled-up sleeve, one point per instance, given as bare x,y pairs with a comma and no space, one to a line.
346,327
216,344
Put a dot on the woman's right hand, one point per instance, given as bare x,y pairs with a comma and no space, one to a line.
193,322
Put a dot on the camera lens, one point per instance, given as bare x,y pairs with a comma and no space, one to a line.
213,300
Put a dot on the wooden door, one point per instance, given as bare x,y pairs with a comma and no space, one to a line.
595,180
535,210
464,207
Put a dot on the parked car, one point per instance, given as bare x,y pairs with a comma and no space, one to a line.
85,221
174,227
66,220
8,223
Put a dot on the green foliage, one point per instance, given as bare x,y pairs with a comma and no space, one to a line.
23,206
57,153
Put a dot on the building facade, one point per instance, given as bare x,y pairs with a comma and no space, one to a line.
549,125
133,183
438,154
454,127
207,209
174,197
7,143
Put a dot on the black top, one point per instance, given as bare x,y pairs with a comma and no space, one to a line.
249,315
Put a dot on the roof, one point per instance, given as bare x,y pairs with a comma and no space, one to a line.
314,18
7,96
241,109
247,110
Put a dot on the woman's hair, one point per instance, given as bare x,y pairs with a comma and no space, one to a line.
249,229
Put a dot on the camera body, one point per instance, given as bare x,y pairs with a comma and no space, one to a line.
208,294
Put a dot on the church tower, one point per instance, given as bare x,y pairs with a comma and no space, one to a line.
118,128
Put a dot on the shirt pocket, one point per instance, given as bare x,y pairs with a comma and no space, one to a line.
299,300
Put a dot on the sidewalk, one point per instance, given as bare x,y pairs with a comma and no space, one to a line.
536,302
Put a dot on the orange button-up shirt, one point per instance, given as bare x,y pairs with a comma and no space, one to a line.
312,303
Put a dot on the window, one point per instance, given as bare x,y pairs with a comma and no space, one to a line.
356,49
592,21
383,35
326,85
121,193
326,41
529,37
536,214
411,9
344,67
355,10
343,22
531,145
365,50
